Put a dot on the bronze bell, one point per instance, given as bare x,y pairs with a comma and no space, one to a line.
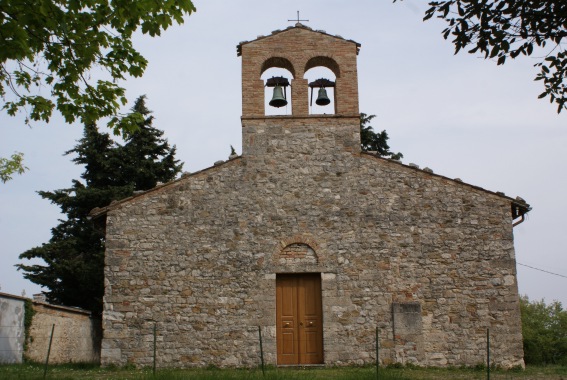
278,100
322,99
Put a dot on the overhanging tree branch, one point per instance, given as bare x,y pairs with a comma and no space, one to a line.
502,29
72,36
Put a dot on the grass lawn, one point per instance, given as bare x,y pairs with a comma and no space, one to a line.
78,371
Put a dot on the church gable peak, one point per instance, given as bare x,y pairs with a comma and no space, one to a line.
297,26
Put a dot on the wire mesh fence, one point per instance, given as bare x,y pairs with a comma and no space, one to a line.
66,347
51,346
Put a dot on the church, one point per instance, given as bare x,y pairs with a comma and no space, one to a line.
319,246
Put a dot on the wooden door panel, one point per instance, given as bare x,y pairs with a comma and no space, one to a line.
299,330
309,309
288,344
286,328
310,295
311,345
288,299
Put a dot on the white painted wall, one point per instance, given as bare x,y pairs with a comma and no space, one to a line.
11,329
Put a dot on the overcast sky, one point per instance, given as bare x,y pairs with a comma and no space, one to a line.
461,116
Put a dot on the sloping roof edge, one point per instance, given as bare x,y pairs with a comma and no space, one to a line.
71,309
519,206
297,25
13,296
98,212
522,206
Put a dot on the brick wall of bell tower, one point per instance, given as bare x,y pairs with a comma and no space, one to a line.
298,49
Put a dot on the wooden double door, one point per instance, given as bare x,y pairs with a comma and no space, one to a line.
299,321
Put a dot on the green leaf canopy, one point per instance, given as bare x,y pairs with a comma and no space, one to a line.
57,43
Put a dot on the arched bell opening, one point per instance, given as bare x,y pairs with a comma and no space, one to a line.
321,61
321,92
277,91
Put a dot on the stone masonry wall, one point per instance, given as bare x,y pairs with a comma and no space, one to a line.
198,257
76,336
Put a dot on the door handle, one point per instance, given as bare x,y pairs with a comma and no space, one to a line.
310,324
286,324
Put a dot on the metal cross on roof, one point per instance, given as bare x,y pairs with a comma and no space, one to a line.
298,20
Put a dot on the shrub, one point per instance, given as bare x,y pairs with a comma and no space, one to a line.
544,329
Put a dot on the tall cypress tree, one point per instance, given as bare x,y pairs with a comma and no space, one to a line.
147,157
74,256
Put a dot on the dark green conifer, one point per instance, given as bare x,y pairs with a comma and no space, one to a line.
147,157
73,266
375,142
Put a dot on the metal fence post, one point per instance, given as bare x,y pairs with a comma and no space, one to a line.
377,352
261,352
155,341
48,351
488,354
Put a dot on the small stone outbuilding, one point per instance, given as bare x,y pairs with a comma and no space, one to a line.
313,240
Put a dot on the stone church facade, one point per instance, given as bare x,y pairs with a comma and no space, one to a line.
312,240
